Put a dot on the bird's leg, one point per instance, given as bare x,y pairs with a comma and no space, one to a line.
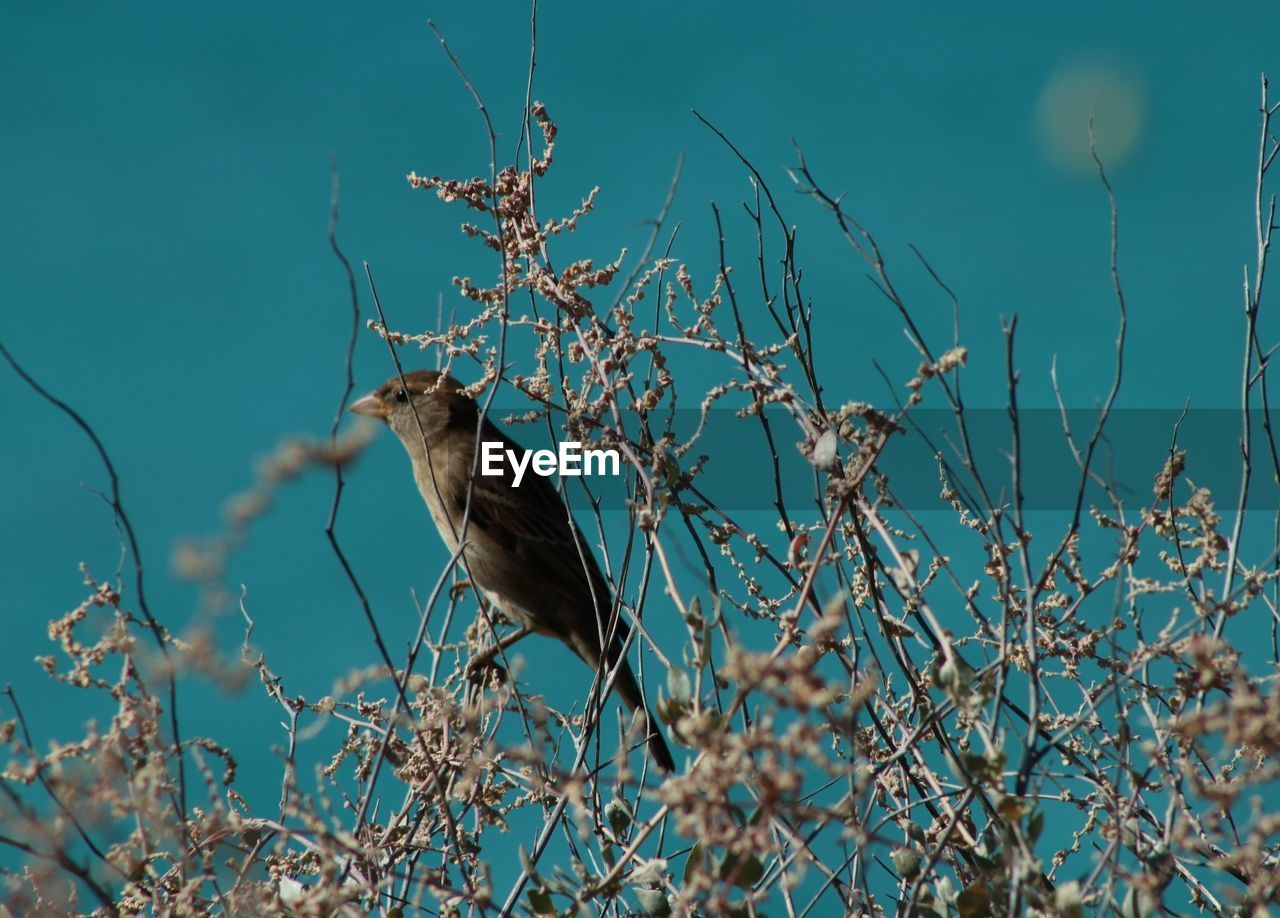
484,659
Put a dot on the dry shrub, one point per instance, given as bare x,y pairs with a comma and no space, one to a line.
863,723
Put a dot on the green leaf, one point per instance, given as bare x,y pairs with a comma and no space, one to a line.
618,812
526,864
1130,834
745,874
678,685
653,901
540,903
906,863
1011,809
692,863
1137,904
1035,827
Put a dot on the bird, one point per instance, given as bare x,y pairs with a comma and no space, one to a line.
520,545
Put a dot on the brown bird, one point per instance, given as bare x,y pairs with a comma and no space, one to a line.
522,547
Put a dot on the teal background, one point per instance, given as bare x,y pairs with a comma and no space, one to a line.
165,185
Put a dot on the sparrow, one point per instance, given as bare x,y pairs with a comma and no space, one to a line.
521,546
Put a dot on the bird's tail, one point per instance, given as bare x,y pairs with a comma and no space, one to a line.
628,690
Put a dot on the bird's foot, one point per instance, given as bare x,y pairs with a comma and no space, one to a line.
486,659
483,668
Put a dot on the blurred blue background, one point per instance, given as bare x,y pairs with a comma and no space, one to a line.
165,178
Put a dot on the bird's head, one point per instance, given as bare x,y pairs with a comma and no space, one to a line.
427,397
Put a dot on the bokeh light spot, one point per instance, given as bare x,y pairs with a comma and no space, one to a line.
1115,95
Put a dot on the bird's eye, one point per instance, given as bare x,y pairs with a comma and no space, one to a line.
402,396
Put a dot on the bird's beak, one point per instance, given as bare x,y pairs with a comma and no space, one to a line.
370,405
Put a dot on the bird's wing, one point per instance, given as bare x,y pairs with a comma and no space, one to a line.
533,523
